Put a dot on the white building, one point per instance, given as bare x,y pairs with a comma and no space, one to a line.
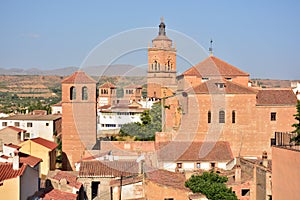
296,89
56,108
44,126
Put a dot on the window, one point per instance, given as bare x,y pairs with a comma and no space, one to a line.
179,165
29,124
245,192
209,117
273,116
205,79
222,116
168,198
27,135
17,124
212,165
198,165
4,123
72,93
47,124
233,117
84,93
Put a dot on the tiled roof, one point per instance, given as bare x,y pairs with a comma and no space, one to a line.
57,104
108,168
32,161
229,87
213,66
194,151
33,117
69,176
7,172
133,86
16,129
12,146
46,143
167,178
276,97
56,194
126,181
107,85
78,77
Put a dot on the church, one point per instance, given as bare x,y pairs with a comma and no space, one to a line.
212,101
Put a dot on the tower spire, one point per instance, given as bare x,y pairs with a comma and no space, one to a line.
210,48
162,27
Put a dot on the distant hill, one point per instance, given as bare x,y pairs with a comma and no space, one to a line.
112,70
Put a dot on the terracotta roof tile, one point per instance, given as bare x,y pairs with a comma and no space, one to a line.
194,151
107,85
108,168
12,146
16,129
276,97
213,66
167,178
46,143
79,77
213,87
32,161
133,86
56,194
33,117
69,176
7,172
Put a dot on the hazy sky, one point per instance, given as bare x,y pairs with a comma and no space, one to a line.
261,37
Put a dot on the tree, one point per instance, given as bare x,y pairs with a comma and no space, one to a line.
297,125
212,185
150,124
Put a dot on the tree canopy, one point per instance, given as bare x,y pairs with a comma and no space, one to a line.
212,185
150,123
297,125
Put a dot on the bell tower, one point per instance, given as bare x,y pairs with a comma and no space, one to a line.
161,64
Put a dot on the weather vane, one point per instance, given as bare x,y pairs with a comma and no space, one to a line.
210,48
162,19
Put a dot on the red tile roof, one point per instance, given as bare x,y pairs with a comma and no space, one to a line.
16,129
7,172
194,151
108,168
78,77
133,86
167,178
276,97
46,143
70,177
32,161
107,85
213,66
229,87
56,194
57,104
12,146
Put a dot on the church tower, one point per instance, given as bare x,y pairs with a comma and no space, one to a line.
78,118
161,64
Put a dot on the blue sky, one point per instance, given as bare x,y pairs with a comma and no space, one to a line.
259,37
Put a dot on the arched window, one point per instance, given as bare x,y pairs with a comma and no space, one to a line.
84,93
222,116
209,117
233,117
72,93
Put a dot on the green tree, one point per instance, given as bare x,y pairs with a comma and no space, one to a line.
151,123
212,185
297,125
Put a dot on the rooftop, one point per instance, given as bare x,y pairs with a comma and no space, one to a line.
7,172
33,117
56,194
18,130
12,146
46,143
213,66
79,77
107,85
276,97
70,176
32,161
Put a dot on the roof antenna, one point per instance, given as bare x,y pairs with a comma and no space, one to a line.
210,48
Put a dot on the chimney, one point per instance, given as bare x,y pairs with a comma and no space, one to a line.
238,171
16,160
265,159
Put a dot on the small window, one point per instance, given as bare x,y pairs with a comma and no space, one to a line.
222,116
4,123
47,124
84,93
179,165
209,117
233,117
212,165
168,198
72,93
17,124
29,124
27,135
245,192
273,116
198,165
